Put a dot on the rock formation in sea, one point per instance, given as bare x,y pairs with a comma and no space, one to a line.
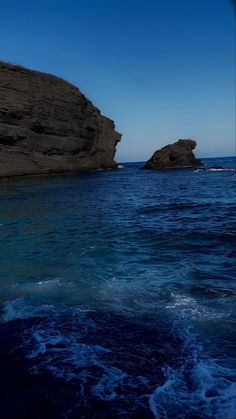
48,126
174,156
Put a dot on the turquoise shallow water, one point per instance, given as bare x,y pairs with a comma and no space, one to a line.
117,293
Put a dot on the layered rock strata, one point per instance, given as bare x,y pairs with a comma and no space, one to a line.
48,126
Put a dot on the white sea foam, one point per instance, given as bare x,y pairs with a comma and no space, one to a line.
184,306
226,169
216,169
65,357
110,380
48,282
201,385
211,392
21,308
131,296
61,348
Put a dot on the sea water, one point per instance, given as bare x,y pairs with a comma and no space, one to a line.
117,293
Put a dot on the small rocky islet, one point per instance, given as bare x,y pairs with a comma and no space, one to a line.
174,156
48,126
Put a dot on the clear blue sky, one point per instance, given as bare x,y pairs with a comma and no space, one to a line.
162,69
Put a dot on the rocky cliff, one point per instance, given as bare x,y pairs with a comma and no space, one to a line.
48,126
174,156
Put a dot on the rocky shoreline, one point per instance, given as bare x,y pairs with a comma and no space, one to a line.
48,126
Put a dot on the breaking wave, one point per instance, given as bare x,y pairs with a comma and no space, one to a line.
201,383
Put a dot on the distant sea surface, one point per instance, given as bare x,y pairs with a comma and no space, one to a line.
117,294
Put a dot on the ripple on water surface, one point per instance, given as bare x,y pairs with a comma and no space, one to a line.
118,294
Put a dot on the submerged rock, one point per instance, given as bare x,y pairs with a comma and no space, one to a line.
174,156
48,126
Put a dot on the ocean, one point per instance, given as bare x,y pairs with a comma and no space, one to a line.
117,294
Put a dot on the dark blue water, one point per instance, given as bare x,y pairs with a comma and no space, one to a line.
117,294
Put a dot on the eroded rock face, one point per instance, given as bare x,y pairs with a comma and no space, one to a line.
47,126
174,156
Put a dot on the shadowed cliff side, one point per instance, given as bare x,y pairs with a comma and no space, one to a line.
174,156
48,126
